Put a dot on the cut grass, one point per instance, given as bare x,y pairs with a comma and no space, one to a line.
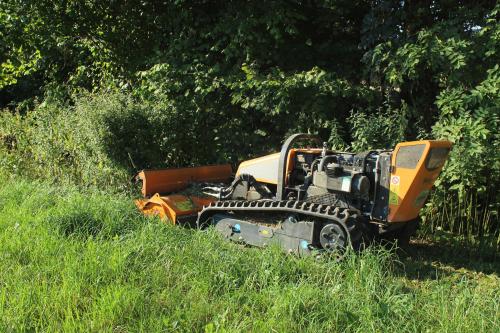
87,261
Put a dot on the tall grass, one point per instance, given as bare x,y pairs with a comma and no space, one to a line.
88,261
466,218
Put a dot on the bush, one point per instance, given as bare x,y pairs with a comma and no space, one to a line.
73,143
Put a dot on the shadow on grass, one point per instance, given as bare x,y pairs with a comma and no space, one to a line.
430,260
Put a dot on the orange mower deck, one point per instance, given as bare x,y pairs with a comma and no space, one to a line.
172,208
175,207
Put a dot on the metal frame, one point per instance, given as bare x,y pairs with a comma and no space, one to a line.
283,159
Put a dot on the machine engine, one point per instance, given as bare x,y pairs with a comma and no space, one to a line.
375,182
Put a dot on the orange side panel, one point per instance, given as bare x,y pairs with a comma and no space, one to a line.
409,188
169,180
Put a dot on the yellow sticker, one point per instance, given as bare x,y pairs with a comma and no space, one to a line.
394,191
184,205
393,196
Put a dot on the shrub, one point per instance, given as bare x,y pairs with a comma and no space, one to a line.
71,142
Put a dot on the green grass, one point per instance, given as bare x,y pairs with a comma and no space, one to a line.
87,261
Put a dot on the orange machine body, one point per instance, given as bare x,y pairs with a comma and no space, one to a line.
415,167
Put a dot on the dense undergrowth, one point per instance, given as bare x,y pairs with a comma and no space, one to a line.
88,261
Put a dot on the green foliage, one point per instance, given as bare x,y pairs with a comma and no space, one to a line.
80,261
62,142
246,113
470,119
447,74
379,130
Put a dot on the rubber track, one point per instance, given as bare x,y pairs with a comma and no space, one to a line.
337,214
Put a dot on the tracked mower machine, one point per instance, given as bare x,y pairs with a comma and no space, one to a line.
306,197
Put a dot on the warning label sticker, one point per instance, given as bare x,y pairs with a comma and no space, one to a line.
394,191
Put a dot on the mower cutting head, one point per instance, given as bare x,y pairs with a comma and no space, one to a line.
158,184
